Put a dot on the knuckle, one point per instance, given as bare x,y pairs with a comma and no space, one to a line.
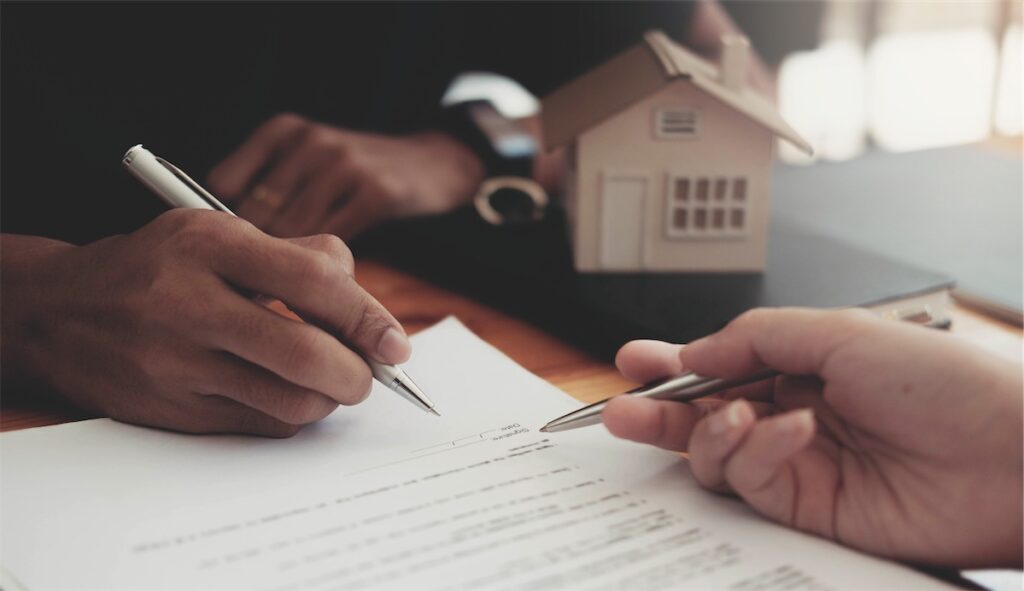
164,301
137,309
239,325
328,244
317,269
340,176
361,381
191,426
279,126
394,192
217,179
333,247
202,232
150,365
285,227
322,157
276,429
303,356
193,241
393,185
318,136
286,120
340,151
848,323
741,475
356,161
854,317
175,220
323,153
751,318
305,407
765,318
286,431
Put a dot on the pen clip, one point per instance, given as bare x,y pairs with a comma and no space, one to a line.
203,193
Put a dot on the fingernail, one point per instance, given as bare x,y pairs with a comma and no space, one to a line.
796,421
726,420
394,347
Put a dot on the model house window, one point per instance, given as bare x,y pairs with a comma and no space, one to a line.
675,124
707,207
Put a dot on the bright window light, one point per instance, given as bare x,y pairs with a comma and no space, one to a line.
821,94
929,89
1008,106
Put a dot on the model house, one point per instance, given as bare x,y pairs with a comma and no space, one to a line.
670,160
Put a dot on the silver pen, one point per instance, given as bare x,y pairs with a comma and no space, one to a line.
681,388
690,386
177,189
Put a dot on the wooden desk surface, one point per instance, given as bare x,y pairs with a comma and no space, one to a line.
418,305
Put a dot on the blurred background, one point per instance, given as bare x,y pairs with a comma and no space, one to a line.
852,75
913,108
902,75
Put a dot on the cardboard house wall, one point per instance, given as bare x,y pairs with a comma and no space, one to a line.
675,180
636,199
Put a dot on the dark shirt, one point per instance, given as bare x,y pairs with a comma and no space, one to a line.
83,82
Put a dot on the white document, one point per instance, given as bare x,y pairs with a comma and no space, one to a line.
385,496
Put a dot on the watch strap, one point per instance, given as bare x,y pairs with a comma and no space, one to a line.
503,146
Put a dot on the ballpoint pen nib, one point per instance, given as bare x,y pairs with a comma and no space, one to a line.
544,429
411,392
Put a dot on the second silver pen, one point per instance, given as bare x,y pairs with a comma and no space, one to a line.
682,388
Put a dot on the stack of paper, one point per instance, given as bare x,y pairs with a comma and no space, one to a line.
383,495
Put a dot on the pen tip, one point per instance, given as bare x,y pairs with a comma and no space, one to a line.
436,414
544,429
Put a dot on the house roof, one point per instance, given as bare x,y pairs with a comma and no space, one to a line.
637,73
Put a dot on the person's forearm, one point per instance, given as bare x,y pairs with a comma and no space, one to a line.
548,166
18,256
17,245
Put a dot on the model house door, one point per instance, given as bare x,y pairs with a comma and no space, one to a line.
623,203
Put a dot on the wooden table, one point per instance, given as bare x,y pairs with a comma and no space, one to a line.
418,305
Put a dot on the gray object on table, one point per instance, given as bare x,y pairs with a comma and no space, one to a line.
955,210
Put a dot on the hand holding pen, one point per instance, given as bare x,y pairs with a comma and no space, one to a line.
346,310
158,327
884,436
675,385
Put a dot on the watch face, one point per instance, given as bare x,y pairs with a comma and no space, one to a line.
514,205
506,136
509,200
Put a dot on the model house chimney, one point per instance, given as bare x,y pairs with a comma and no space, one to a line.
733,69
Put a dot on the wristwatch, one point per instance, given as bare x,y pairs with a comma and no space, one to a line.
509,194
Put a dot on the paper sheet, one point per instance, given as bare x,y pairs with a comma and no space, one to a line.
383,495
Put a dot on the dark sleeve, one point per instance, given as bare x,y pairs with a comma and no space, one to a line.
777,29
83,82
546,44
